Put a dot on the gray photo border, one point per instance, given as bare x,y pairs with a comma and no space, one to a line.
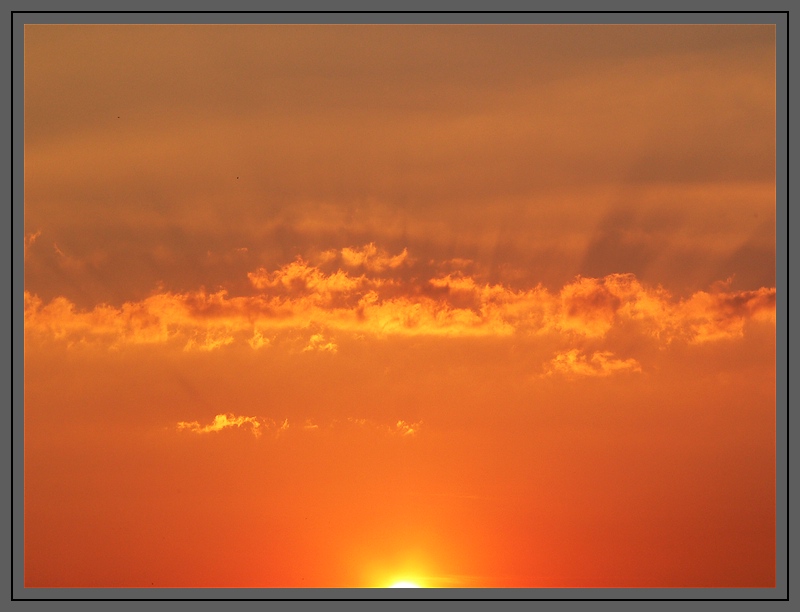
33,12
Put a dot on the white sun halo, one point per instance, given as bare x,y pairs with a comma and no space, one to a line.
404,584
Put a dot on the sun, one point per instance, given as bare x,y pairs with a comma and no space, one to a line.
405,584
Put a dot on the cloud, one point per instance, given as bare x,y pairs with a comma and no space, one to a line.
372,258
407,429
589,306
258,340
210,341
220,422
456,263
723,315
601,363
317,342
301,280
68,262
29,240
299,295
259,425
300,277
378,174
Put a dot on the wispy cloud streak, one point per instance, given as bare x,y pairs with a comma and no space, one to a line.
260,425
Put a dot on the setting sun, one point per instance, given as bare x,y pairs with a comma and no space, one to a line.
404,584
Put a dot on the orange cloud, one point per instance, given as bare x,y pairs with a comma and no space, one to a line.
210,341
222,421
259,425
372,258
407,429
317,342
601,363
588,306
299,295
298,276
717,316
258,340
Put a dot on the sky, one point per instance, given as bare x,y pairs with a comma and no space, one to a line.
343,306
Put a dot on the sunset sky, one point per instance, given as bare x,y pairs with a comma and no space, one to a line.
343,306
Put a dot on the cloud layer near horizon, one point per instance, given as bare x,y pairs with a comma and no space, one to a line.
367,298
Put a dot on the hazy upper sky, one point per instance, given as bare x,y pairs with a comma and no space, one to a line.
345,305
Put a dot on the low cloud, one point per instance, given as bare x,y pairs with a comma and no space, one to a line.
258,340
220,422
601,363
299,295
407,429
260,425
371,258
731,311
300,278
589,305
210,341
318,342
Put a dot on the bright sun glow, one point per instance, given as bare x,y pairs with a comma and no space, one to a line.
404,584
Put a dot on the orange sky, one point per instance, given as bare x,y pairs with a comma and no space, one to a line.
338,306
